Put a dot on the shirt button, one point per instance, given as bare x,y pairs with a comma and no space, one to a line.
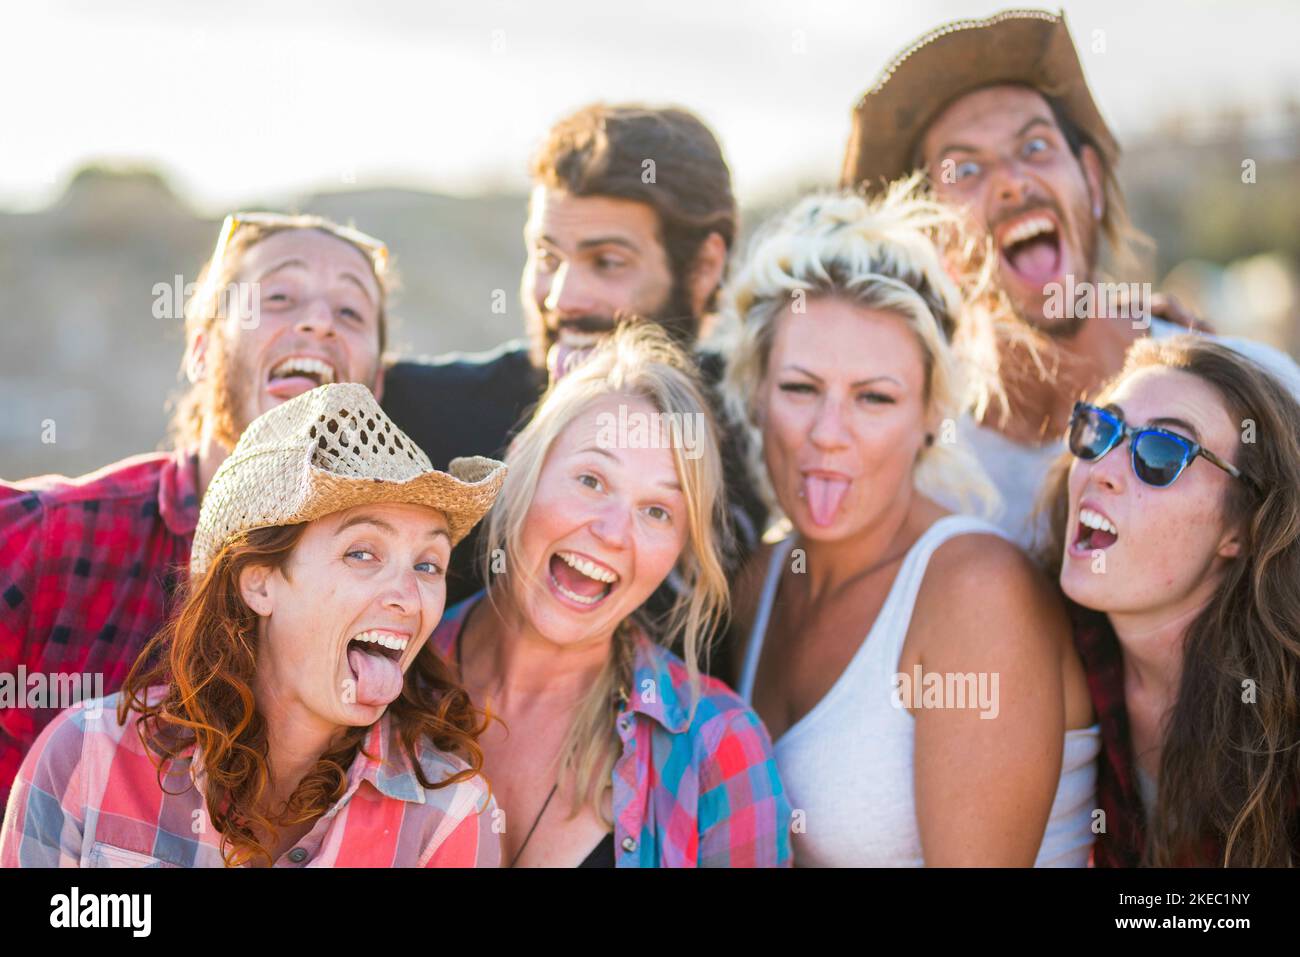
298,855
629,845
624,723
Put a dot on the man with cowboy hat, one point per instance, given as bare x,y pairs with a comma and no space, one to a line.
998,114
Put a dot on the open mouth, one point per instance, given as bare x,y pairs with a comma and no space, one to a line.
1094,531
581,581
574,341
375,659
1031,248
295,375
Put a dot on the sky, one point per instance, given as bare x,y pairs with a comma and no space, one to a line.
239,100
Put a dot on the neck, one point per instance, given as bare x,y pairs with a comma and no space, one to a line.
512,663
1152,644
833,564
295,740
1075,367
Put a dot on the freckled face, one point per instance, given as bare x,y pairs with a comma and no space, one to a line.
1168,541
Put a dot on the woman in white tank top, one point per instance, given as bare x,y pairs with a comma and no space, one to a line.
913,667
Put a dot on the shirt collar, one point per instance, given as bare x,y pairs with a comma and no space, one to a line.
381,760
660,688
178,492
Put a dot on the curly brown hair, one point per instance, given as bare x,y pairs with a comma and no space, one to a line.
206,655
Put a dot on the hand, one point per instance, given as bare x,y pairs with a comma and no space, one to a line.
1166,307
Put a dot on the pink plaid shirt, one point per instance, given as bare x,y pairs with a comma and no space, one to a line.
87,795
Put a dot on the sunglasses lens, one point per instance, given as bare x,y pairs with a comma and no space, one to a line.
1091,434
1158,459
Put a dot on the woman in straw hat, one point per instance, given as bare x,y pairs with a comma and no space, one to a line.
611,750
289,714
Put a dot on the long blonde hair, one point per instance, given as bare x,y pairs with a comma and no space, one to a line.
639,361
880,253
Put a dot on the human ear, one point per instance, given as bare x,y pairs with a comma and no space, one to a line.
254,588
706,271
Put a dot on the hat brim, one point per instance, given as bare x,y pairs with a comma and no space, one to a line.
463,493
1025,47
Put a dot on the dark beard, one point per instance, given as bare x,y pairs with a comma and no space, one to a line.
674,315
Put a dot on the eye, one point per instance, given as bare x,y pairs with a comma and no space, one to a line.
659,514
589,480
610,263
434,567
359,551
797,388
966,169
877,398
547,261
1033,146
350,313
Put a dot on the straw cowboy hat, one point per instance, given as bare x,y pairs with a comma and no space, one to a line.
327,450
1029,47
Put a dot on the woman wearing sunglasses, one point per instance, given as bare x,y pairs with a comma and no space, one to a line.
1178,524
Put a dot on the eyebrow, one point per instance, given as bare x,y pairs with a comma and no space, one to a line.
852,385
380,523
1160,421
614,458
299,264
596,241
964,148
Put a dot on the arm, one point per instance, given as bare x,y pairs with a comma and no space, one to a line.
44,825
22,535
985,785
744,815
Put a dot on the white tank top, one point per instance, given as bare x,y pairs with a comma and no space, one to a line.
847,763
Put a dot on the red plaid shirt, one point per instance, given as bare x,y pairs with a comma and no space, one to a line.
88,567
1121,843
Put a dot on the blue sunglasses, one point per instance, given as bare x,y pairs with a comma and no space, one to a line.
1158,455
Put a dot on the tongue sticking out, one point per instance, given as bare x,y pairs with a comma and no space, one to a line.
574,580
564,358
1038,260
824,496
379,678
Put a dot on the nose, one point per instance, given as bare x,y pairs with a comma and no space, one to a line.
402,594
1111,471
316,318
828,428
613,524
1010,185
569,293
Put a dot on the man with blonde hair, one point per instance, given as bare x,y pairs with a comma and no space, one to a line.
89,565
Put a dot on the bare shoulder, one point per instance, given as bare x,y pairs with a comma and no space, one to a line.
980,590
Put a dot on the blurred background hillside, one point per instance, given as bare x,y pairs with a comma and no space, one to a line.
95,212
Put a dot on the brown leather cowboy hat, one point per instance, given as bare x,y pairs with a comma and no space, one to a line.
1029,47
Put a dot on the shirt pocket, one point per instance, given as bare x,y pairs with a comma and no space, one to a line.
106,855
